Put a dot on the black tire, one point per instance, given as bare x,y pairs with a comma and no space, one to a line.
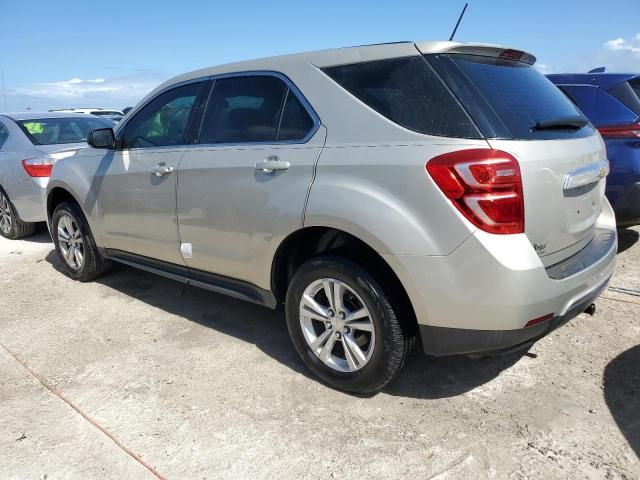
392,342
93,264
18,228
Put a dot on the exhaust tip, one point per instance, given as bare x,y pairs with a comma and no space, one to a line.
591,310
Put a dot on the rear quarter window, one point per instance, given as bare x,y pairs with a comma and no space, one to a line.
409,93
513,96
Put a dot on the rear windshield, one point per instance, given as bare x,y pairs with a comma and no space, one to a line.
512,96
101,113
55,131
629,94
408,92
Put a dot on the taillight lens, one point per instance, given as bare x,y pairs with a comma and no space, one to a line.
631,130
485,185
38,167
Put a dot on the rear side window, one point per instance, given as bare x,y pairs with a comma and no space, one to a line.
4,134
254,109
163,121
408,92
518,96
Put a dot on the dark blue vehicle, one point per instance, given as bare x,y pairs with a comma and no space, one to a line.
612,102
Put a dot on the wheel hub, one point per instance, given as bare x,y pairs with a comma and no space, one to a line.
337,325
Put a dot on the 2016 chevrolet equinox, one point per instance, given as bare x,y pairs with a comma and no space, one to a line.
433,191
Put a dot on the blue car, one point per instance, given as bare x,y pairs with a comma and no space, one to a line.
612,102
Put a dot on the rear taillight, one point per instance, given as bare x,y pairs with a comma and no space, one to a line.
38,167
485,185
631,130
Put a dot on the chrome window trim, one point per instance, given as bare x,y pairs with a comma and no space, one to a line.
292,88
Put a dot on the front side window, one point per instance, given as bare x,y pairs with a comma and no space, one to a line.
163,121
257,108
60,130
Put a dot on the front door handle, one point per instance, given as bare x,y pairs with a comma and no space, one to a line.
271,164
162,169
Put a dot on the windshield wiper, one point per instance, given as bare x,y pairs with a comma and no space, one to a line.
561,123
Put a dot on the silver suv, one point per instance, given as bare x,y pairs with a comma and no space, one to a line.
436,191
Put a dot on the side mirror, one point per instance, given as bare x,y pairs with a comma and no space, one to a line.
101,138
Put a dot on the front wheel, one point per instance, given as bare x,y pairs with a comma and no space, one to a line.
74,243
344,326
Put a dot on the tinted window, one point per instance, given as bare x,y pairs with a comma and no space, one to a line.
54,131
629,94
519,95
163,121
296,121
244,109
4,134
408,92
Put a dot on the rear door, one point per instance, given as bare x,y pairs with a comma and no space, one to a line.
562,159
243,187
138,184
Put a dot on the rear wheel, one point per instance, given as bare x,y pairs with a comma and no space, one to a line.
11,226
344,326
75,245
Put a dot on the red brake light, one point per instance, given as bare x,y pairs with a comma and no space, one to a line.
38,167
631,130
485,185
510,54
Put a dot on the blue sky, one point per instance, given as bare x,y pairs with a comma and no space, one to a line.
63,53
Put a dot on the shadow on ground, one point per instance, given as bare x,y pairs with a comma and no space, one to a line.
41,235
622,394
422,377
627,238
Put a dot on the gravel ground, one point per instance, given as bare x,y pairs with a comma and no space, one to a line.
136,376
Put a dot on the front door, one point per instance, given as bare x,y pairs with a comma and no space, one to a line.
138,191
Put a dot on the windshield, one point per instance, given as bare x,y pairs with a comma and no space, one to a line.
521,99
54,131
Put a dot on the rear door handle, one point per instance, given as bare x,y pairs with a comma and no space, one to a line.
271,164
162,169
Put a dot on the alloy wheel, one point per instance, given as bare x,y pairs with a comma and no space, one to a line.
71,242
337,325
6,219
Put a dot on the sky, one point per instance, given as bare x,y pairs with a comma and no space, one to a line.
61,54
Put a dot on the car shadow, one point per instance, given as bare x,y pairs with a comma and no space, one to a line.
627,238
41,235
622,394
422,377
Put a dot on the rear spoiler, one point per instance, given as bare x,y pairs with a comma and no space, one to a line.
481,49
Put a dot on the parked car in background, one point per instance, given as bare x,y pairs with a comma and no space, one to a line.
114,116
612,103
383,193
30,143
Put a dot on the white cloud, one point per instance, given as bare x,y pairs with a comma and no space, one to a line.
78,92
622,44
616,55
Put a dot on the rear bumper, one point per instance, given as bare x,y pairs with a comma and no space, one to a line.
627,203
442,341
26,197
481,297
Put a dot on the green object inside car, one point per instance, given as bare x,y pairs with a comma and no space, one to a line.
34,127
